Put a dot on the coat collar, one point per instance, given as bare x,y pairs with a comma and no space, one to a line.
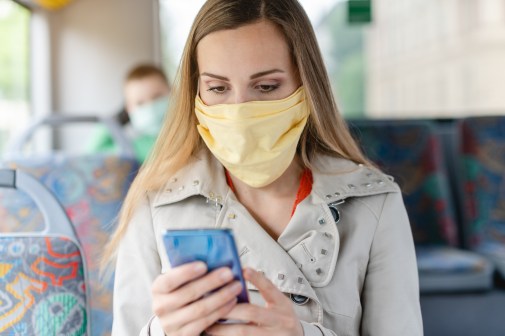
334,180
203,176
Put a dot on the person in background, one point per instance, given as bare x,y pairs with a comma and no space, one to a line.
146,94
256,144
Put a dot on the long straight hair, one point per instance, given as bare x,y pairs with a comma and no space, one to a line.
326,132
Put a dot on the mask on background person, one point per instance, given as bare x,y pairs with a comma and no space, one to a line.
255,141
148,118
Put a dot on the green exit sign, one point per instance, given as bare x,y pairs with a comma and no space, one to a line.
359,11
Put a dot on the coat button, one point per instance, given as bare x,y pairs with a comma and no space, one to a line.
299,299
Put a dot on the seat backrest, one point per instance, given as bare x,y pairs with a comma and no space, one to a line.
16,145
411,152
91,190
42,274
482,179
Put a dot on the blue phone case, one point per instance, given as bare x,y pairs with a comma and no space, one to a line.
215,247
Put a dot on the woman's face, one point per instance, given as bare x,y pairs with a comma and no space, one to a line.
250,63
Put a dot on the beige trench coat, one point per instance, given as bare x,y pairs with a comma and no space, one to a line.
354,277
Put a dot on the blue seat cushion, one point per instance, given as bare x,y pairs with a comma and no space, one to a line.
447,269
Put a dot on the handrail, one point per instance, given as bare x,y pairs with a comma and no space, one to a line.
55,218
15,145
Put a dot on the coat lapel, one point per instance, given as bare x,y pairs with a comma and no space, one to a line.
312,240
259,251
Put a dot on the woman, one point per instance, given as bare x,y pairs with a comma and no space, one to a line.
255,143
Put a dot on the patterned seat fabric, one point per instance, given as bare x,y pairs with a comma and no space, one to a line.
42,287
91,189
411,153
483,185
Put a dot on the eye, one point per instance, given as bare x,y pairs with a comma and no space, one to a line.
217,89
266,88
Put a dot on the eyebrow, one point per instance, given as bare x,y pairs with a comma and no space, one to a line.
264,73
214,76
256,75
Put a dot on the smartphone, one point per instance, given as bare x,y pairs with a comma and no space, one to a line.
215,247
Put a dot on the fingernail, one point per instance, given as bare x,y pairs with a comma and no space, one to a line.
200,267
236,287
226,274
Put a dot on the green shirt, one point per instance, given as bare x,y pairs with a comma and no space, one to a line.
102,142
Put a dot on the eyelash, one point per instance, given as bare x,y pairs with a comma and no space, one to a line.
219,90
271,87
214,89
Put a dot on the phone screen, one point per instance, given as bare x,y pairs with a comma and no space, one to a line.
215,247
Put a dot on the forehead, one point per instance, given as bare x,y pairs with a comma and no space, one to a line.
257,46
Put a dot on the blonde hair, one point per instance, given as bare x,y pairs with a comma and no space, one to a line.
326,132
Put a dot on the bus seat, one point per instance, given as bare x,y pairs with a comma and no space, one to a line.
91,189
482,184
411,152
447,132
42,273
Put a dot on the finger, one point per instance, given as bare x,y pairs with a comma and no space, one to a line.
251,313
194,290
199,325
267,289
205,306
236,329
178,276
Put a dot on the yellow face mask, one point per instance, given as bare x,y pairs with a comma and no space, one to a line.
255,141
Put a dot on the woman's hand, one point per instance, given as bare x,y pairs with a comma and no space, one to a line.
276,318
179,302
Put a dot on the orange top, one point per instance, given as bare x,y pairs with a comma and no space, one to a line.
304,188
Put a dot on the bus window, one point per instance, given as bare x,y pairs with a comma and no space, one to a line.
342,45
417,59
407,59
14,68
